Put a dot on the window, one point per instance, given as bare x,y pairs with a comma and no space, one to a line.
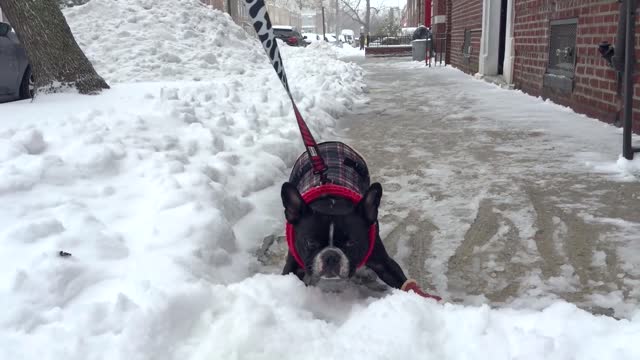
466,46
562,47
559,77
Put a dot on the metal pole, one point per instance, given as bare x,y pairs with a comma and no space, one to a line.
337,34
427,13
324,34
629,64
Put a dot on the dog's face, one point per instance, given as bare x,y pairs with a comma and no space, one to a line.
331,235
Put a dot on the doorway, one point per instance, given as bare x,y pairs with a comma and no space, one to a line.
502,36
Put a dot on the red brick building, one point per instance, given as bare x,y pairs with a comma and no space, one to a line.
415,13
546,48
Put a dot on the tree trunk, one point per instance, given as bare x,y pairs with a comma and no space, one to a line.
337,31
367,19
56,59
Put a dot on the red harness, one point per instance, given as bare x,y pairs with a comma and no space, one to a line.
335,190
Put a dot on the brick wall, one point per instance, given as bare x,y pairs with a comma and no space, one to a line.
594,91
439,13
387,51
439,9
465,15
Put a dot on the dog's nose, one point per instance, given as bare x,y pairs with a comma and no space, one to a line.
332,259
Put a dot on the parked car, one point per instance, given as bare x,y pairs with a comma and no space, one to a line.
16,80
311,37
347,36
331,38
289,34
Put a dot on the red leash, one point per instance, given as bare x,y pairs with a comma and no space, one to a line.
262,26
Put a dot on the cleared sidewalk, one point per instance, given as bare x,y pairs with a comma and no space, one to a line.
493,196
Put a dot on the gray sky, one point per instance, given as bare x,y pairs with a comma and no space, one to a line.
389,3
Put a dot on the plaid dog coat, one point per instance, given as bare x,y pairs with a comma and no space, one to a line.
346,168
349,179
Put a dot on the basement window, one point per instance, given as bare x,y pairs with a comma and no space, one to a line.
466,46
562,55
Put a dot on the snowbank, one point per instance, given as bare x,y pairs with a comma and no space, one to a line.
144,184
276,317
341,52
146,40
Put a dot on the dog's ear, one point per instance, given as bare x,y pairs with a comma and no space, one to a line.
368,206
294,205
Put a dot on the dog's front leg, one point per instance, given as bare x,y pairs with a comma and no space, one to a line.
385,267
391,273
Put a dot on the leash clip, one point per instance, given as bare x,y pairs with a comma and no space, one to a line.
323,176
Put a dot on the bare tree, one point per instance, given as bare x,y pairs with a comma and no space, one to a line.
56,59
352,9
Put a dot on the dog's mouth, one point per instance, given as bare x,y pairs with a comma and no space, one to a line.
330,264
323,277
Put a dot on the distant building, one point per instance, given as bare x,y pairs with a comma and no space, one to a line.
285,12
312,18
281,12
309,20
414,13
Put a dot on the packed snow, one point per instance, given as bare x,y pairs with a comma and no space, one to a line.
130,218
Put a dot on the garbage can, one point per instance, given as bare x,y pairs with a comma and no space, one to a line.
419,49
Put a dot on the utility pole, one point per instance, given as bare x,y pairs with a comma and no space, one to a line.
337,22
324,36
629,68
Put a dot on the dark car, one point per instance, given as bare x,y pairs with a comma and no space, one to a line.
16,81
289,35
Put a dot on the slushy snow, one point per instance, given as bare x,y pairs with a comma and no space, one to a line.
161,189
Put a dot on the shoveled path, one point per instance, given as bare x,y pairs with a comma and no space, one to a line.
492,196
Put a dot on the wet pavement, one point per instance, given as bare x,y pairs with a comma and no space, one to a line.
492,196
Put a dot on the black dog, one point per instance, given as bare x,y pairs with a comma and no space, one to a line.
332,229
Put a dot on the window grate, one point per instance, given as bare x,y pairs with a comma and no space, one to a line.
466,45
562,47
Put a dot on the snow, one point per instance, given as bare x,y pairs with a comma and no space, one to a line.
345,52
629,168
162,187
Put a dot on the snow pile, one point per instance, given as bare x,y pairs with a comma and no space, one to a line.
345,51
147,40
338,81
276,317
272,317
630,167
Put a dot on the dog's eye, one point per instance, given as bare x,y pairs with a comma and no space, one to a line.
311,244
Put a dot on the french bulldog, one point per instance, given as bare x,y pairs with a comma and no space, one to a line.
333,235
